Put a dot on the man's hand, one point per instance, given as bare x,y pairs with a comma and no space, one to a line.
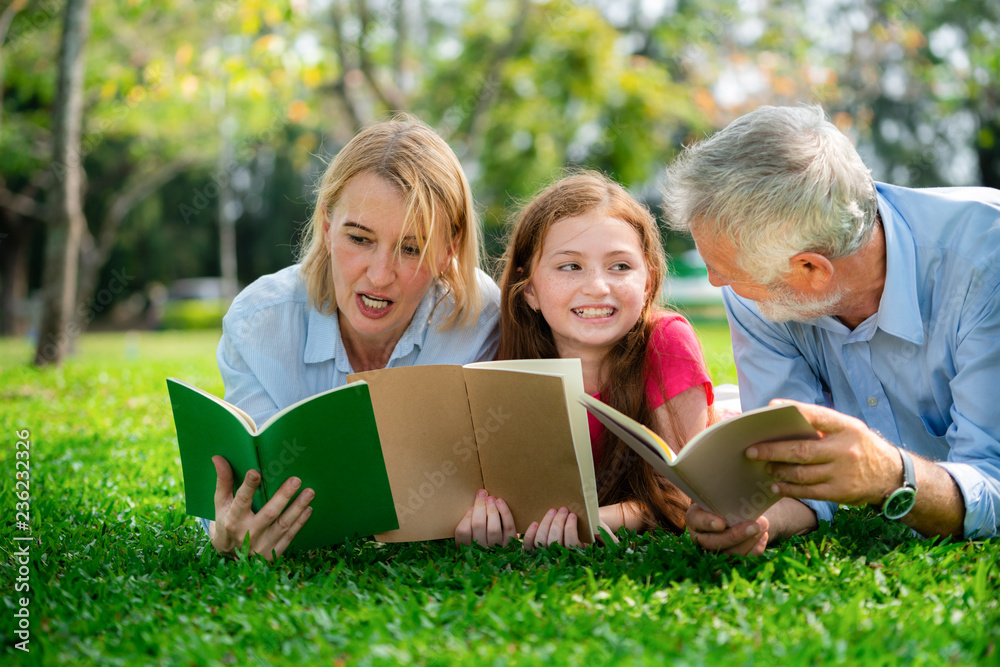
849,464
271,529
709,531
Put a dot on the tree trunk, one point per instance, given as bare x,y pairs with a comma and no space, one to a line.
67,222
14,248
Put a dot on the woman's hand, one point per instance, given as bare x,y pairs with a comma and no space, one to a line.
488,522
558,527
271,529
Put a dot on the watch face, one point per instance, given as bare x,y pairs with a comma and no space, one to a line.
899,503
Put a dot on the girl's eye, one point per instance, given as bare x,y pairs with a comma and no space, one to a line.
621,266
569,267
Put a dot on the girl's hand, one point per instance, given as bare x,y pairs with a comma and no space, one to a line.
271,529
558,527
488,522
710,532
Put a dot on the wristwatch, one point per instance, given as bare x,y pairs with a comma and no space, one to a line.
898,503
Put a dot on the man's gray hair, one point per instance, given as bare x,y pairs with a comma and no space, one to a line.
775,182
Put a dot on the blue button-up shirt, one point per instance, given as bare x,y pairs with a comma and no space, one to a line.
277,350
924,370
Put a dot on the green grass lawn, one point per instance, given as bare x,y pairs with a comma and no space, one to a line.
119,575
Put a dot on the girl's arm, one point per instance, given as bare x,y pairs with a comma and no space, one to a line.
691,410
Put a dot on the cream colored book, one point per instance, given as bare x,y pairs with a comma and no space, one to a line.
511,427
711,468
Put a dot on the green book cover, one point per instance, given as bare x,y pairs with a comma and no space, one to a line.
329,441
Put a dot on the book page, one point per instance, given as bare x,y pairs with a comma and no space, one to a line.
428,442
284,411
571,370
526,445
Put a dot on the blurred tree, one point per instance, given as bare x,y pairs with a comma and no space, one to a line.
66,224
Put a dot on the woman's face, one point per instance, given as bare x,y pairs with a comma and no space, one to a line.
376,270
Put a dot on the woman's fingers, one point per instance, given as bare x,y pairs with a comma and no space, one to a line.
286,538
275,507
223,483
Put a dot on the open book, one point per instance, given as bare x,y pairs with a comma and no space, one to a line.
329,441
511,427
711,468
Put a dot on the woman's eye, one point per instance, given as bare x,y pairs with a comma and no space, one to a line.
410,250
359,240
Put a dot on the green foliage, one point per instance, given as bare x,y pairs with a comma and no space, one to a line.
120,576
194,314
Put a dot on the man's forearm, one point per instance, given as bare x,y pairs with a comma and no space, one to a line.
940,508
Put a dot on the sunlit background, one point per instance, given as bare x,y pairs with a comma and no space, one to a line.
206,124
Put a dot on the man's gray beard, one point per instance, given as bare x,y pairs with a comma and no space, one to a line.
787,306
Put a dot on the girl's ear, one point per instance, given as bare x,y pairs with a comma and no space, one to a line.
529,295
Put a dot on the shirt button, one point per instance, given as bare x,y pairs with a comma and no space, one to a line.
873,401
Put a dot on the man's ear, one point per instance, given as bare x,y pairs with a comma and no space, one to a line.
810,271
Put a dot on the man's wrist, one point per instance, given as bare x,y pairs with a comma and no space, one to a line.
898,502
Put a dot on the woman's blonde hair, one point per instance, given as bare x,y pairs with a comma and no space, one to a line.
524,334
438,200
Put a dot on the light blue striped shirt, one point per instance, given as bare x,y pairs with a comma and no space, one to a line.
276,349
923,371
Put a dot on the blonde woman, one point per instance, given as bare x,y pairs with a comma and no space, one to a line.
388,277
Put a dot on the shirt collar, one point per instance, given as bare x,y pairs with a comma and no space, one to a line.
324,342
899,309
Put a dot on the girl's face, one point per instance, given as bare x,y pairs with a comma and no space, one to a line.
590,282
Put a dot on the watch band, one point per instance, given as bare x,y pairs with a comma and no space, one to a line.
898,503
